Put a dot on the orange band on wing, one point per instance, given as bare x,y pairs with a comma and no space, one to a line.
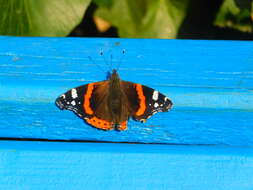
142,99
87,96
100,123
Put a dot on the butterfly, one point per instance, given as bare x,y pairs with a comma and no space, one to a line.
109,104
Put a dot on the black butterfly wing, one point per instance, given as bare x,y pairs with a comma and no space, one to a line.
89,103
73,100
144,101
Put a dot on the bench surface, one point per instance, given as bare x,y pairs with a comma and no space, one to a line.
209,82
64,166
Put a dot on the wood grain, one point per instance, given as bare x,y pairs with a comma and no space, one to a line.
51,165
210,83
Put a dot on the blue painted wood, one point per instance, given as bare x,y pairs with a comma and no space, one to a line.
210,83
44,165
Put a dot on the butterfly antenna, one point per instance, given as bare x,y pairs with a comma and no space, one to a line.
106,62
120,60
96,64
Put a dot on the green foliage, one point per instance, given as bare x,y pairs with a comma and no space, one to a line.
132,18
237,14
103,3
145,18
40,17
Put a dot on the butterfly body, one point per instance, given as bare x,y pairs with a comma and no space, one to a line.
109,104
117,100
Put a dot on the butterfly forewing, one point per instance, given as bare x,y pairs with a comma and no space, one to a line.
89,102
73,100
151,100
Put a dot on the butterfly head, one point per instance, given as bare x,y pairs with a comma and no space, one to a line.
114,75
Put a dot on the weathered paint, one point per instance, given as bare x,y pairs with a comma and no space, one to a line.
209,82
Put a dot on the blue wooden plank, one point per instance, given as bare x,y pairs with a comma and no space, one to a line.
210,83
44,165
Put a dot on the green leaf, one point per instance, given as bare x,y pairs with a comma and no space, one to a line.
145,18
103,3
236,14
40,17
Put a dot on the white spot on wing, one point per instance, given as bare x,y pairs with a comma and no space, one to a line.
155,95
156,105
63,96
73,103
73,93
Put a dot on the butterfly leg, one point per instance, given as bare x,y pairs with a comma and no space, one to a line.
122,126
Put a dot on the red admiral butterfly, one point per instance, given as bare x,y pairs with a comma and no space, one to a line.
108,104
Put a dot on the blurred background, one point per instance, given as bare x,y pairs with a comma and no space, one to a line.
169,19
